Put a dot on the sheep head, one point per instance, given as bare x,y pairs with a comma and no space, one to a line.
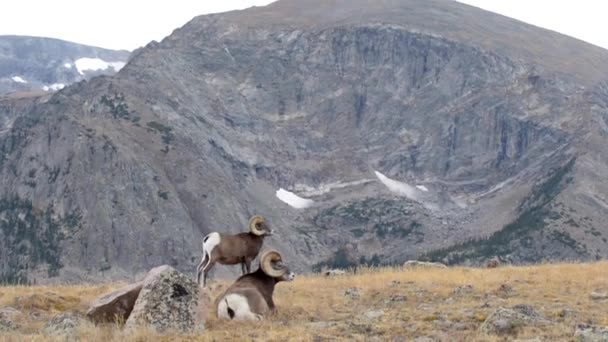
272,264
258,226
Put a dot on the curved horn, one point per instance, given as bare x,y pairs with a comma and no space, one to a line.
254,222
268,263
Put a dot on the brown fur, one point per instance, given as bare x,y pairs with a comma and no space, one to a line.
241,248
258,288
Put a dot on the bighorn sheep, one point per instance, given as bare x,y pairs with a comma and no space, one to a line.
250,297
229,249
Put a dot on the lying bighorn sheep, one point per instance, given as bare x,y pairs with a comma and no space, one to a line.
250,297
230,249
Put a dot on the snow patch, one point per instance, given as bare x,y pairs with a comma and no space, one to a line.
67,65
423,188
400,188
53,87
293,200
83,64
18,79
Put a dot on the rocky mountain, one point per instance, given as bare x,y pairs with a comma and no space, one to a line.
366,132
46,64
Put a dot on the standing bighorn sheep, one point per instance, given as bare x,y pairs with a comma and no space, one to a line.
228,249
250,297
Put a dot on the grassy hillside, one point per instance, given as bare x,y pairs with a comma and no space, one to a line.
375,304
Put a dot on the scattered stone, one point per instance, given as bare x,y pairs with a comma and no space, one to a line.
8,317
169,300
424,339
493,263
396,299
373,314
115,306
352,293
527,310
599,295
505,290
505,321
394,283
463,326
321,325
590,333
529,340
462,290
423,264
63,324
333,273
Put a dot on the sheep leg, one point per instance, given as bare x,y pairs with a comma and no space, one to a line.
243,268
206,270
199,269
248,265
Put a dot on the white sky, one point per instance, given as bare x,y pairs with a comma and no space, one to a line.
128,24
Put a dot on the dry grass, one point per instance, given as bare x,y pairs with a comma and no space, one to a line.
313,308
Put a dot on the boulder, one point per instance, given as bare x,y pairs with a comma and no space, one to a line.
596,295
115,306
590,333
506,321
493,263
333,273
373,314
423,264
7,322
63,324
169,300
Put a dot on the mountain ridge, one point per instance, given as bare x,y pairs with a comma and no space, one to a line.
407,143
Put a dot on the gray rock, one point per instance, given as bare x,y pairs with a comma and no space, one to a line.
396,299
599,295
423,264
320,325
505,321
333,273
373,314
352,293
590,333
8,316
63,324
169,300
424,339
115,306
463,290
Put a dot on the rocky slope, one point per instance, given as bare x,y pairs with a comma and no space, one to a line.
416,128
35,63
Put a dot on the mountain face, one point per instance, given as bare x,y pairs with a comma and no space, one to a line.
365,132
45,64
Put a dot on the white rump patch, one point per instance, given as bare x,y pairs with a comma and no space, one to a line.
400,188
67,65
210,242
293,200
423,188
83,64
239,306
18,79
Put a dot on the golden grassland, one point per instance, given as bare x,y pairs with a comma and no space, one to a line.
414,303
